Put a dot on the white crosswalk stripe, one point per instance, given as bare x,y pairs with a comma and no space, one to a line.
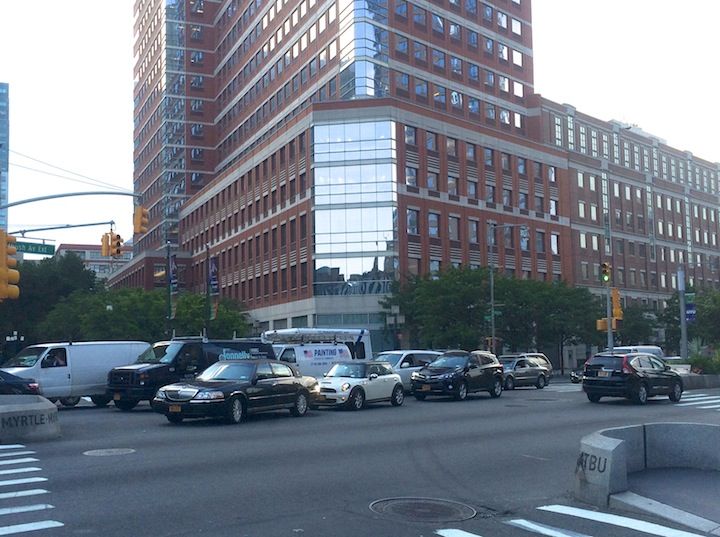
9,509
543,529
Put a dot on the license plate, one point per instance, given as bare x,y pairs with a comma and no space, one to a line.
174,408
603,373
117,396
425,388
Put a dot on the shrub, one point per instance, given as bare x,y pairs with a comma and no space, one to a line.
706,364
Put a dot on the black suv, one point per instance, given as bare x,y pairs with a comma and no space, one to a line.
635,376
458,373
175,360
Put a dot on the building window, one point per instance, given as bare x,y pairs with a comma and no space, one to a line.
454,228
432,180
555,243
413,217
430,141
411,176
410,135
434,225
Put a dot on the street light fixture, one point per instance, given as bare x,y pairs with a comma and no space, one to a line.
494,227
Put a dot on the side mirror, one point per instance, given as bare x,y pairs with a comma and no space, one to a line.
404,365
373,376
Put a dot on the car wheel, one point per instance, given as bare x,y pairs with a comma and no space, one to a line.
641,395
300,407
100,400
497,388
676,392
235,411
509,383
357,399
540,384
126,404
398,396
174,418
420,396
462,392
593,398
69,401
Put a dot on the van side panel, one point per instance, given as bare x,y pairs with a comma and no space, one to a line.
91,363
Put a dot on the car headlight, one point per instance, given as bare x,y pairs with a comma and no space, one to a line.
345,387
414,375
315,388
160,394
447,376
209,395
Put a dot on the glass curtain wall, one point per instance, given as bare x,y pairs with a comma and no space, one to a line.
355,231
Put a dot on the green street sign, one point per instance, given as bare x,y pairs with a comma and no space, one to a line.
35,248
690,298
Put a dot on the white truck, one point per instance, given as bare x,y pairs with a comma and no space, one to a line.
314,350
69,371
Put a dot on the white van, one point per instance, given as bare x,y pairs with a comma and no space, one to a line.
313,351
648,349
68,371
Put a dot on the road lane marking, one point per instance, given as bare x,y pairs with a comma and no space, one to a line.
21,493
17,453
698,402
20,470
533,457
26,508
33,526
12,446
19,461
456,533
542,529
616,520
698,397
22,481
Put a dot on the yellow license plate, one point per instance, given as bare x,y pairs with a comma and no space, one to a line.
425,388
174,408
117,396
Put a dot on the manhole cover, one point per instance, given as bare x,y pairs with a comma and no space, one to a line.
108,452
423,509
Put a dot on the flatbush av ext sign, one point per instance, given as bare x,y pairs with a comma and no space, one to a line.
35,248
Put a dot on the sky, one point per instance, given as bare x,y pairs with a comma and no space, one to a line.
651,63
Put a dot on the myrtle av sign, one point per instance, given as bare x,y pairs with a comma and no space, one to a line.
35,248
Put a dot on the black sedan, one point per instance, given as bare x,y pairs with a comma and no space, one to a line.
458,373
232,389
14,385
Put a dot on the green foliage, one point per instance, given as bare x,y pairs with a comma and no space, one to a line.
706,364
637,325
191,313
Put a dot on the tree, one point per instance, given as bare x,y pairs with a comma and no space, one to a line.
191,313
637,325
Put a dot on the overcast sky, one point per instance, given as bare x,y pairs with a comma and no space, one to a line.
69,65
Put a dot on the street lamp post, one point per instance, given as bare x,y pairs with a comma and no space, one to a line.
491,266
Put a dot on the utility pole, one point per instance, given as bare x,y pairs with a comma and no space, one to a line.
683,318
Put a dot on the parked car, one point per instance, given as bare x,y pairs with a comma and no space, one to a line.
13,385
406,362
635,376
458,373
232,389
524,370
354,384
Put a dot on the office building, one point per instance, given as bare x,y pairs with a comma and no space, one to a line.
4,151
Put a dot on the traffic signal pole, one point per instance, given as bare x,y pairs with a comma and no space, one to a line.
608,309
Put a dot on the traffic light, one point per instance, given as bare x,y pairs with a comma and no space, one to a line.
9,277
141,218
605,272
115,244
617,311
105,245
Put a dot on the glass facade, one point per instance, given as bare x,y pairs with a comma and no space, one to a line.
355,226
4,151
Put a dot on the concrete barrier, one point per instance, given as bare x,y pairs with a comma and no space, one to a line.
693,381
607,456
27,418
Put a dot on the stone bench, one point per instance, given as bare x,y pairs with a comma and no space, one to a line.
27,418
607,456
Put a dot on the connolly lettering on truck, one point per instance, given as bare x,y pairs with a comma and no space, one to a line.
229,354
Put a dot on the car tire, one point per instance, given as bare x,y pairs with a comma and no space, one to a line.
126,404
462,391
593,398
541,382
235,411
398,396
100,400
356,401
509,383
676,392
420,396
497,388
640,396
174,418
69,401
300,408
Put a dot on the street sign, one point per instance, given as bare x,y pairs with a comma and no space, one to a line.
35,248
690,313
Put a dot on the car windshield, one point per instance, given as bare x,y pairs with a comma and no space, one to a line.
391,357
507,362
356,371
26,357
160,353
449,361
228,371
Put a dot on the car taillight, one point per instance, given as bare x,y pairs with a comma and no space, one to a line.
626,367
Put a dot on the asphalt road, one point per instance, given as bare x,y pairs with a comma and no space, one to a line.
276,475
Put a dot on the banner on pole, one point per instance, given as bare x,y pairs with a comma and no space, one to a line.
173,274
213,283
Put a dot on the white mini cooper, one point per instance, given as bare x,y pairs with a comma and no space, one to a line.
353,384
